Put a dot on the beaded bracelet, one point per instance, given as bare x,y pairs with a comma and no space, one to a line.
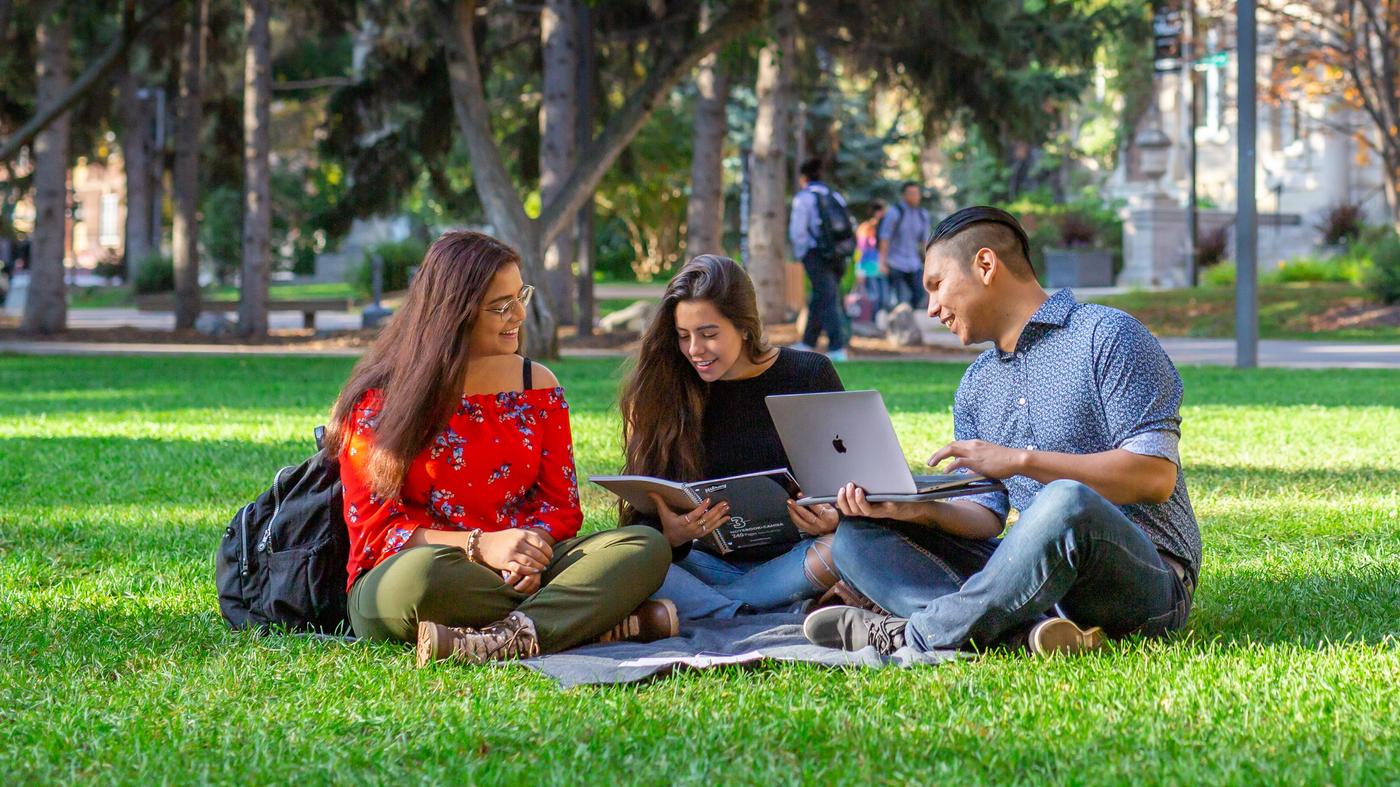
473,547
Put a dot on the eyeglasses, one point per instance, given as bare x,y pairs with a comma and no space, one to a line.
503,311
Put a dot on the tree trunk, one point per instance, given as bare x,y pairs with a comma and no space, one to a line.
46,310
768,222
1390,162
493,185
138,160
94,76
558,130
587,78
185,182
704,215
498,195
257,218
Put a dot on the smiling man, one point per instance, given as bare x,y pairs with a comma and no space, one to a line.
1075,408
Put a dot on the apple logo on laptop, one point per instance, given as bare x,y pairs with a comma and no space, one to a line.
839,445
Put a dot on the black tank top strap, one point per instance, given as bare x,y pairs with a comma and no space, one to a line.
529,376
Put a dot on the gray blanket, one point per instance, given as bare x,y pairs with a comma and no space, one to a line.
707,643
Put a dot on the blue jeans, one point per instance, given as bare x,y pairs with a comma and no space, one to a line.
901,566
1071,549
823,306
908,287
703,585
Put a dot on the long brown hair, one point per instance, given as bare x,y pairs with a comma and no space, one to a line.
663,399
419,362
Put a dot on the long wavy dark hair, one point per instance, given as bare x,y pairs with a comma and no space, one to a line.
419,362
663,399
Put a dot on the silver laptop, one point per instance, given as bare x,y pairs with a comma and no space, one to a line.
833,439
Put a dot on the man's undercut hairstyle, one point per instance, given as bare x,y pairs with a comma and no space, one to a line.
903,187
985,227
811,169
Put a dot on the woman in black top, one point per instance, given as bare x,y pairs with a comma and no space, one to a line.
693,408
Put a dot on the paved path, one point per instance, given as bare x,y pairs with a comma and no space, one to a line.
1184,352
1283,353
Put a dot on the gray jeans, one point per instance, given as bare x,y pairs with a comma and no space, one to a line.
1071,550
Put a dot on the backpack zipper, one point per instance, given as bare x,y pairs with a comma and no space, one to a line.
243,542
266,539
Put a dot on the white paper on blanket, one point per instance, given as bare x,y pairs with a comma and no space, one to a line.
699,660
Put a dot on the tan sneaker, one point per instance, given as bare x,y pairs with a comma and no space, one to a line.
1060,635
512,638
654,619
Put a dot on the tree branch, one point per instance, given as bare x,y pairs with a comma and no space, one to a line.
312,84
493,184
96,71
600,154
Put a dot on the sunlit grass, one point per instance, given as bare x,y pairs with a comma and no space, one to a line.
117,475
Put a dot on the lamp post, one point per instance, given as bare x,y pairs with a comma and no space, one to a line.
1246,212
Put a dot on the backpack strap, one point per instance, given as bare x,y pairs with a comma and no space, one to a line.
527,373
899,220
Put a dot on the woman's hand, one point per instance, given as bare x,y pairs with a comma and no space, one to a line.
523,583
817,520
516,552
681,529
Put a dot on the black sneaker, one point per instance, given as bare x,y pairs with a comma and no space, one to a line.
852,628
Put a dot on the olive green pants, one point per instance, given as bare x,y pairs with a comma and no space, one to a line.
591,583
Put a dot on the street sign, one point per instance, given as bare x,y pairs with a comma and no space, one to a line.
1215,60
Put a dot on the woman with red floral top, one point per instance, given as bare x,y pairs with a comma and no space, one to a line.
460,492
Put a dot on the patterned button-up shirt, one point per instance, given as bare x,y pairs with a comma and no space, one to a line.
1083,378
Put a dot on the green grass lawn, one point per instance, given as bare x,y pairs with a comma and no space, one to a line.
117,476
1286,311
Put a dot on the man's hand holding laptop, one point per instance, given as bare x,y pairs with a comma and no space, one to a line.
957,517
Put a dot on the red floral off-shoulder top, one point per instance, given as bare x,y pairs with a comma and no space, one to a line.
504,460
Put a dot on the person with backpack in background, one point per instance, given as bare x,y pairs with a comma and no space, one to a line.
823,240
903,232
460,492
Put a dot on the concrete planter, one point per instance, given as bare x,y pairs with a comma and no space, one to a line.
1078,268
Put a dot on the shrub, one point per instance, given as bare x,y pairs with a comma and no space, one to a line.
1076,230
221,232
1085,221
304,260
399,258
110,268
1221,274
1213,248
1342,223
1382,276
1310,269
155,274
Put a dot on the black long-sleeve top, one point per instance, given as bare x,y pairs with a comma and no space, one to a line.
737,431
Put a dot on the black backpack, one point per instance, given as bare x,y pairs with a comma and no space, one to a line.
836,238
282,559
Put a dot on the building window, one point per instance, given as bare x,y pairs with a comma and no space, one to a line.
110,234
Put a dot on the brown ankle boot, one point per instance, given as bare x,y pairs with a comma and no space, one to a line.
512,638
654,619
